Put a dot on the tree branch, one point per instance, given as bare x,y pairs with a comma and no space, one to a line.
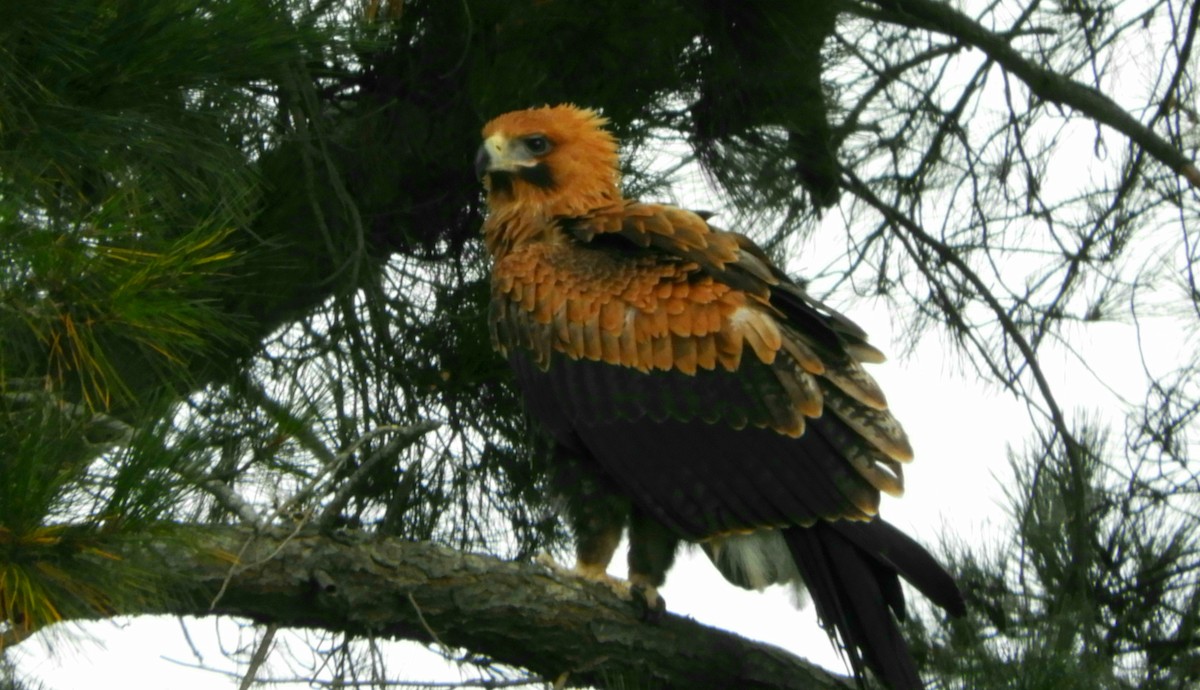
1044,83
949,256
521,614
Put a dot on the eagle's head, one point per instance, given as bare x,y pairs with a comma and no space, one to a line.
554,161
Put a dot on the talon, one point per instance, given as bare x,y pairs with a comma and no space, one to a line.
588,571
597,573
652,608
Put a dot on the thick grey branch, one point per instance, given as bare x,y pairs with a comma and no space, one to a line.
517,613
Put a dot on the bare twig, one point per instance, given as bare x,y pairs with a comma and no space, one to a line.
425,624
260,656
949,256
1042,82
335,462
232,501
407,435
484,683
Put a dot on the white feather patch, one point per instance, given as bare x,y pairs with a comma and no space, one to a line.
756,560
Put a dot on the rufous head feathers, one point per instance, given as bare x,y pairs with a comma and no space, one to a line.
555,161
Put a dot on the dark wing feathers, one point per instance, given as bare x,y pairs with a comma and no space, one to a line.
818,338
656,434
655,289
853,595
902,555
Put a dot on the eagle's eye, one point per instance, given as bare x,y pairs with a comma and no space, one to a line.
537,144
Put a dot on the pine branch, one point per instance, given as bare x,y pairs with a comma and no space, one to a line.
521,614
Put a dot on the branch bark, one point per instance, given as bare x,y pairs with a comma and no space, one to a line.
520,614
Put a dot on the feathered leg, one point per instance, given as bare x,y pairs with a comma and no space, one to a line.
651,553
596,512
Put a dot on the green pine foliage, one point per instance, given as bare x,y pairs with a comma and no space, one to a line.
1097,587
122,178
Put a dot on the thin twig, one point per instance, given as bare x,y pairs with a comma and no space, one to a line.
187,636
485,683
425,624
259,657
407,436
946,254
336,461
1042,82
232,501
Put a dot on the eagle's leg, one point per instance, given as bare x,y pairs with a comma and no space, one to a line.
595,541
651,553
597,514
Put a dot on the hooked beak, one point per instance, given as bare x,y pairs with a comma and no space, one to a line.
498,155
483,161
492,156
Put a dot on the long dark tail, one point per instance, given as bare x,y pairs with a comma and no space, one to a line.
852,571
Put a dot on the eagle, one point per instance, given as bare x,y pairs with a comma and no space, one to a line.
694,392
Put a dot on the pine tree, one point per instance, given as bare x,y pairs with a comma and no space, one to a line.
243,358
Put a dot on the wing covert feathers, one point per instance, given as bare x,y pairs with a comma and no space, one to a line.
655,288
